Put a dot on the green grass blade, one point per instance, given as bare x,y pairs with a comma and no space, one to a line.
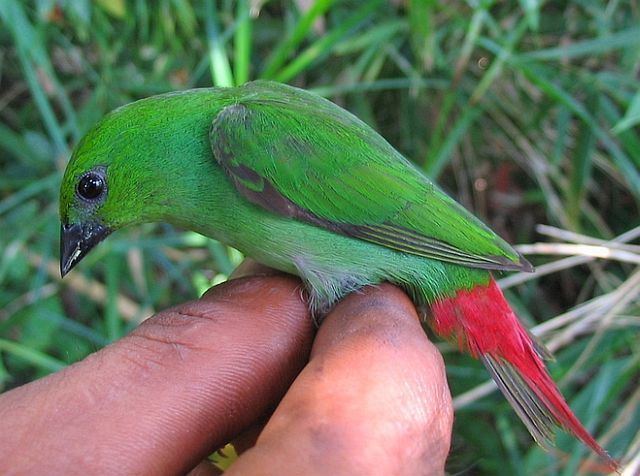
581,167
38,359
421,24
218,61
29,191
621,39
280,55
434,167
631,117
538,77
629,139
113,281
322,47
242,44
14,18
381,85
497,66
473,32
531,10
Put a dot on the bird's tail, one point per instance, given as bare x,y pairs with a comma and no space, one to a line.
483,324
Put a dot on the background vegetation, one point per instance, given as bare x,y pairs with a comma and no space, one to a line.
526,111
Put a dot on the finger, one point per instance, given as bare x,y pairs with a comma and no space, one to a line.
157,401
372,400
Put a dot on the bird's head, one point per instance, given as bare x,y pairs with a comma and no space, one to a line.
103,187
129,168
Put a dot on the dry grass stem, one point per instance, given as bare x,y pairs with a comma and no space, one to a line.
595,251
127,308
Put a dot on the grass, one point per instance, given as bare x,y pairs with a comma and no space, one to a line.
527,112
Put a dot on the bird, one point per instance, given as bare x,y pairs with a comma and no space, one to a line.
302,185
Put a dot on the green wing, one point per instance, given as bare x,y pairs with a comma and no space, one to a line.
301,156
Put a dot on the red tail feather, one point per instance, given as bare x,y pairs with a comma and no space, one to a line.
483,324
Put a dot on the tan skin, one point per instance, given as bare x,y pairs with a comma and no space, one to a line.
365,394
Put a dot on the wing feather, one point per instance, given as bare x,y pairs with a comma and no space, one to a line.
301,156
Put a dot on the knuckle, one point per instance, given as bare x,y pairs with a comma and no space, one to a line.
168,336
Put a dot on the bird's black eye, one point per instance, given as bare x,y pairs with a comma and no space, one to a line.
91,186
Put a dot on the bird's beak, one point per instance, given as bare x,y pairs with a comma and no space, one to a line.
76,240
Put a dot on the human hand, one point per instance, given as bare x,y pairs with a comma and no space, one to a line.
368,396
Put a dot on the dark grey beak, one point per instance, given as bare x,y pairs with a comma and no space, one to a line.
76,240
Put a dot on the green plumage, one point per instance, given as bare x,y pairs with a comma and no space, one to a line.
334,171
354,202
